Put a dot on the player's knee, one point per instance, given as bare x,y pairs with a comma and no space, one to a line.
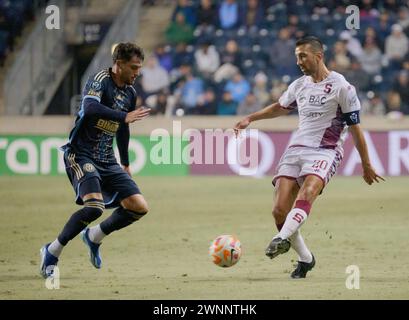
93,209
279,213
308,193
131,216
139,206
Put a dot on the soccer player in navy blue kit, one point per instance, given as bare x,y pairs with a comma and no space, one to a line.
108,106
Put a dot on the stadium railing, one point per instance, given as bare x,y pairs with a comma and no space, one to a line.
38,69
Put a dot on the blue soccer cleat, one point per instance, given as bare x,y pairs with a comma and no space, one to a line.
48,262
94,256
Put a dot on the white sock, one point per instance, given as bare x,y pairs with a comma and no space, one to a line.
95,234
298,244
55,248
292,223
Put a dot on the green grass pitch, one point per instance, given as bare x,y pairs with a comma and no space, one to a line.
164,255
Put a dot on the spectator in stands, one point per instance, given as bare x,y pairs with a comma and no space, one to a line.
295,27
341,60
371,57
164,57
403,18
190,93
368,11
229,14
186,8
277,89
401,86
353,45
207,14
231,54
160,103
396,45
179,75
391,5
227,106
393,104
252,15
225,72
230,62
154,77
373,106
182,55
383,28
179,31
358,77
370,34
282,54
238,87
207,59
207,103
260,89
249,105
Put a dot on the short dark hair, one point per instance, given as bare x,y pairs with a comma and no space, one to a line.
314,42
125,51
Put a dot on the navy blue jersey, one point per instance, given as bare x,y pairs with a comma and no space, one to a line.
101,117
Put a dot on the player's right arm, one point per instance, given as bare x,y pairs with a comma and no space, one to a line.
285,105
92,105
272,111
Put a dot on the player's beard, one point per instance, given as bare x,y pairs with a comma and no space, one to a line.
129,81
306,71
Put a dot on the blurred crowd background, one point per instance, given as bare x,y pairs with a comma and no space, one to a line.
229,57
232,57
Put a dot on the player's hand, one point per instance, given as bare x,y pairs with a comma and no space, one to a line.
137,114
370,176
243,124
127,170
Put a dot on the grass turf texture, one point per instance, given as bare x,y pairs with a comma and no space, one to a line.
164,256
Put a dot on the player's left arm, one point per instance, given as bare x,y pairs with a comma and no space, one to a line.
122,140
350,106
369,173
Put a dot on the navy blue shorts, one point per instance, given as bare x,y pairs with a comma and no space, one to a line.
115,183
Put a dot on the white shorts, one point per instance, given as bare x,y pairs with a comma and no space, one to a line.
298,162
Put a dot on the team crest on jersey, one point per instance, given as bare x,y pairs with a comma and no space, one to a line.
96,85
88,167
354,117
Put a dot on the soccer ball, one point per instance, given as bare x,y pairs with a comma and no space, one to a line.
225,251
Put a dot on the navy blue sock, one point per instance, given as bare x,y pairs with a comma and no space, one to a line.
119,219
92,210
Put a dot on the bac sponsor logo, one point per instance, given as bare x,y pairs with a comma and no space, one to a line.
317,100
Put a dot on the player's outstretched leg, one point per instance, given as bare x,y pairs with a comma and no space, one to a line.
50,252
277,246
48,262
302,269
119,219
285,194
